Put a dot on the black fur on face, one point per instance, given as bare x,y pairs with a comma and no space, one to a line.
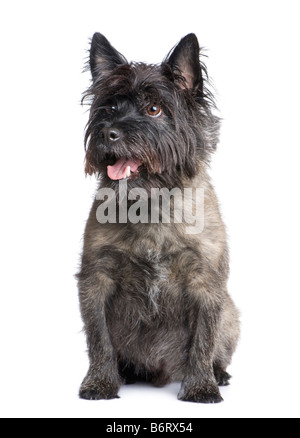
158,116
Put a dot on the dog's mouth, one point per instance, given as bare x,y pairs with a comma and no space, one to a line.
124,168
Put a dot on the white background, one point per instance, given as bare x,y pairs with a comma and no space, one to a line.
253,49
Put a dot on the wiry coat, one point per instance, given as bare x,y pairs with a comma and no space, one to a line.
153,298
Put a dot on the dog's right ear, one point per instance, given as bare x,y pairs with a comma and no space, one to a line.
103,57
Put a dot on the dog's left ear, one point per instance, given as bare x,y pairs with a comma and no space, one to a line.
185,59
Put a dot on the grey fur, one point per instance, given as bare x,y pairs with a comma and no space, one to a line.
153,298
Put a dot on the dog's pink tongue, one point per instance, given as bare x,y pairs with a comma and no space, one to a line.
118,170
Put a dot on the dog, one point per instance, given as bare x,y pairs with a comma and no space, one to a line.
153,294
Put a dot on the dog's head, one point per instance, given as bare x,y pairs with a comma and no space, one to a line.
150,124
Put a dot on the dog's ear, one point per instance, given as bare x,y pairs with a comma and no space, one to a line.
184,59
103,57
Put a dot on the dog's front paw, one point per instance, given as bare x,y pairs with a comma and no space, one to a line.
98,389
200,393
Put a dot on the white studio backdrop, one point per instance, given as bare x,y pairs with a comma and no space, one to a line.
253,59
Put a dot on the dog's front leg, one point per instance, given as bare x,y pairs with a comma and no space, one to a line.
102,380
199,384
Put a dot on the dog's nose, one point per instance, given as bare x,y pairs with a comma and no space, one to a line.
110,135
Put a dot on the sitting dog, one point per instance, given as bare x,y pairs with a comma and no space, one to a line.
153,293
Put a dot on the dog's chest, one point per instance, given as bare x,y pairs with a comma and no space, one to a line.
145,282
151,278
150,300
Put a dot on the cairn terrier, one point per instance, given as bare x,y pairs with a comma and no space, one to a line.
153,293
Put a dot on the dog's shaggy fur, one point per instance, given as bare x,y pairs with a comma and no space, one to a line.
153,298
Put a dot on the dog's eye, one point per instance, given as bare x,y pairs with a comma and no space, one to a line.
154,110
110,109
